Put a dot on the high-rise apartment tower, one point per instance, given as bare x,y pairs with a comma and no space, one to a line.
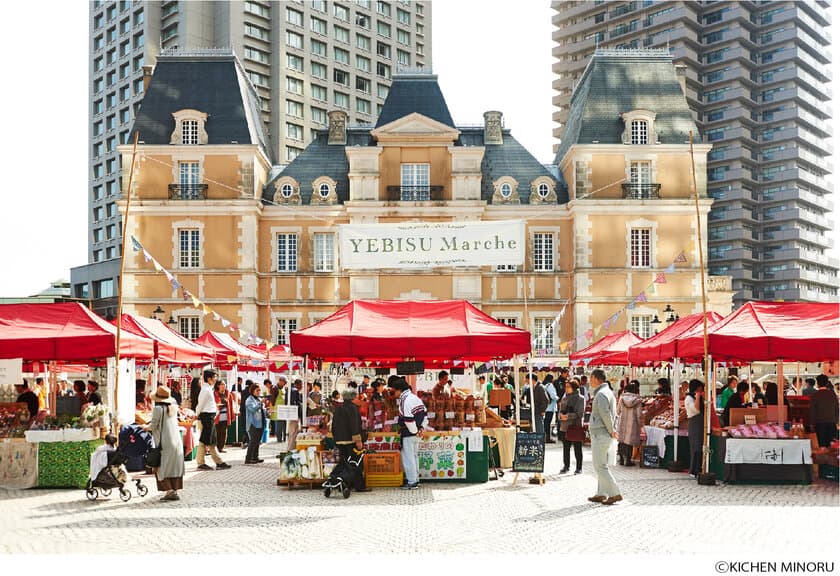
757,79
303,57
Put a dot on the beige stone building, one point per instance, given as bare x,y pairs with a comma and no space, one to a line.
258,243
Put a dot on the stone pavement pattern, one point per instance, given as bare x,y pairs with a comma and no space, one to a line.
244,508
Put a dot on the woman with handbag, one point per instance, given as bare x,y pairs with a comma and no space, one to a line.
169,470
572,407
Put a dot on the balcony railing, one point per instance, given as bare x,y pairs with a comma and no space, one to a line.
415,193
638,191
188,191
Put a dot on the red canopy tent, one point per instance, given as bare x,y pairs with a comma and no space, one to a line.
64,332
229,352
403,329
170,347
662,347
611,350
280,358
769,332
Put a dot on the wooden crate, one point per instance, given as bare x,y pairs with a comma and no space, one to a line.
384,480
383,463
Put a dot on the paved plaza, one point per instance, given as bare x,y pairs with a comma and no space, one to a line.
661,513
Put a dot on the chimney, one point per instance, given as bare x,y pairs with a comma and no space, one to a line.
147,76
492,127
338,127
680,70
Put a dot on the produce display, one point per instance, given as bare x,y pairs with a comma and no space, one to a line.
760,431
13,421
658,411
301,465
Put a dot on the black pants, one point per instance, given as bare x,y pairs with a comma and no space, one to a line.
826,433
567,449
547,425
345,451
253,453
695,443
221,435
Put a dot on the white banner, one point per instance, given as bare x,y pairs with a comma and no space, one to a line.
11,371
431,244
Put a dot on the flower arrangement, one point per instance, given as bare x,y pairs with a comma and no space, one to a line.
92,415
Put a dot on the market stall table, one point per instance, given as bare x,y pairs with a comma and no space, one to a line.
761,460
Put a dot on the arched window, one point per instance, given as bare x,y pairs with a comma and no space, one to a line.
505,190
639,132
324,190
543,190
286,190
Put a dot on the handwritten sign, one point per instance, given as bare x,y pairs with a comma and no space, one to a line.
442,457
650,457
529,452
11,371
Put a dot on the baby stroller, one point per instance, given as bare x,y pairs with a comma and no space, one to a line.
341,477
104,476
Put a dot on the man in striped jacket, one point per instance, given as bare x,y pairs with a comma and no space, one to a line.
412,420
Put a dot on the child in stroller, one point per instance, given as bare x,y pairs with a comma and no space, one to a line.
342,477
107,471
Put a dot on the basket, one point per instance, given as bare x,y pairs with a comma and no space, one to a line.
385,463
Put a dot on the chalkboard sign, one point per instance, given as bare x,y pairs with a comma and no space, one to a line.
650,457
529,455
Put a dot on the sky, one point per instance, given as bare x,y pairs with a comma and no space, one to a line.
488,54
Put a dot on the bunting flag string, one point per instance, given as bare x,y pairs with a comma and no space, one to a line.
660,278
192,298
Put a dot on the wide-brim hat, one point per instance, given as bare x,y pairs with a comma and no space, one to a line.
162,394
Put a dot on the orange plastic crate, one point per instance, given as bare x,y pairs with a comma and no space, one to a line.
384,480
385,463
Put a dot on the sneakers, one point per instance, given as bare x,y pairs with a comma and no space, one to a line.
598,499
578,472
612,500
414,486
564,470
204,467
222,466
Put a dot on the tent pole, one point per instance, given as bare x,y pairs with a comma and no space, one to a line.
303,400
516,365
780,390
531,389
122,272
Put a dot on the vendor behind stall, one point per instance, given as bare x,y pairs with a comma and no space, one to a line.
347,432
824,412
28,396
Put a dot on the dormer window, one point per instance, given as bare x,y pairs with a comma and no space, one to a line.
189,132
639,132
639,128
189,128
324,191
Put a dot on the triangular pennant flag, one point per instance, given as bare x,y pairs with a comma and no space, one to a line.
195,301
168,275
135,244
231,359
157,265
670,269
598,330
367,363
660,279
175,284
563,311
456,362
681,257
258,341
185,294
242,334
225,322
642,297
651,289
631,305
146,255
563,347
606,323
234,327
589,334
216,316
615,317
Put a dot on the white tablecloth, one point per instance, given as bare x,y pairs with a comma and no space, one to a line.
656,437
767,451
